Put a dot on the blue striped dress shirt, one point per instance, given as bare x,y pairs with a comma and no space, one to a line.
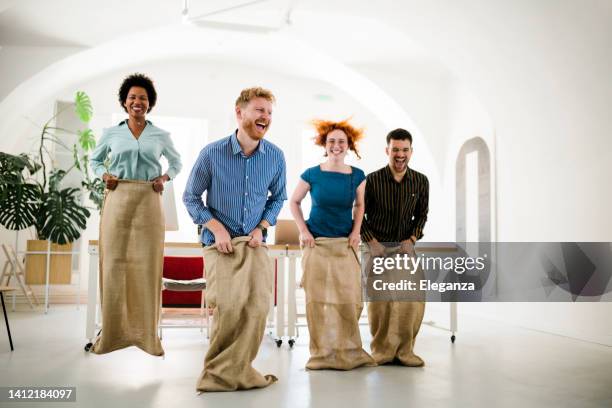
236,187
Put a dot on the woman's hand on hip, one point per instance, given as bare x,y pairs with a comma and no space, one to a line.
110,181
158,183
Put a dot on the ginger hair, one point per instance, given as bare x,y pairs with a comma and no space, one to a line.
246,95
324,127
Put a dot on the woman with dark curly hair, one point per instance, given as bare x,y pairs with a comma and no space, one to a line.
330,240
132,221
135,145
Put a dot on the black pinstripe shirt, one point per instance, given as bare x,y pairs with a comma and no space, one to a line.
394,211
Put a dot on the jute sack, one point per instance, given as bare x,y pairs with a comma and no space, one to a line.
332,283
131,263
239,286
394,324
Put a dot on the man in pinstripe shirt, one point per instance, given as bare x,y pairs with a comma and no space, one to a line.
396,206
237,173
396,199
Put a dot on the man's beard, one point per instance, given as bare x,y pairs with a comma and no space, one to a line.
252,131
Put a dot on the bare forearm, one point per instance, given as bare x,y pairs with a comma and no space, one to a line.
298,215
358,211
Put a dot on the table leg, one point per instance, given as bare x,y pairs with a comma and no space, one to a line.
280,298
291,302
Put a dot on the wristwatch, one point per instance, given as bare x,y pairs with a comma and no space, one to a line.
263,229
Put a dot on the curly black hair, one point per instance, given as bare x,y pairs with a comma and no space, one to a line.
141,81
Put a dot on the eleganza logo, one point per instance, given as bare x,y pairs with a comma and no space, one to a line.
489,272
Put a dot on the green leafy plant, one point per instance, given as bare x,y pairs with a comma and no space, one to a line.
18,198
30,195
61,218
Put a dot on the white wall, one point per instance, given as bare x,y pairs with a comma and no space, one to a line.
542,71
18,63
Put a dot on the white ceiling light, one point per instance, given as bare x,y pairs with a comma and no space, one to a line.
204,20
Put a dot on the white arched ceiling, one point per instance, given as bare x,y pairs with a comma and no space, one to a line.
278,51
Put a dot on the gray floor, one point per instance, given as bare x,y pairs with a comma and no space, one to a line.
489,365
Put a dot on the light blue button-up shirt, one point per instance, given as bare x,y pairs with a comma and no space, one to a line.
240,191
135,159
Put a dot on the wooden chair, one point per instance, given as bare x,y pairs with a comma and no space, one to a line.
14,268
184,274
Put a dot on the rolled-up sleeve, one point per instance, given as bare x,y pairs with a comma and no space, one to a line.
99,155
197,184
173,157
278,193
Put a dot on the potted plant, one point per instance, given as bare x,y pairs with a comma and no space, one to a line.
31,194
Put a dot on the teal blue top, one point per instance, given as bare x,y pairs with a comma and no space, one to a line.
135,159
332,195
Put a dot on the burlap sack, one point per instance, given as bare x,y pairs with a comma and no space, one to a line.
131,263
394,325
332,283
239,286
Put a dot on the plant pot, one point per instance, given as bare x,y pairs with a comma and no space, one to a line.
60,271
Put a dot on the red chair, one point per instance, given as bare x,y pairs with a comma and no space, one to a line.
183,269
184,284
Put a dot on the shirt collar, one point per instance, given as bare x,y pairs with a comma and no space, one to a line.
407,175
236,146
125,121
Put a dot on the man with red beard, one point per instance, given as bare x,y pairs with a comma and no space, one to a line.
396,206
244,178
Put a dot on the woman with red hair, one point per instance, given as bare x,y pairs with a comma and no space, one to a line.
330,240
